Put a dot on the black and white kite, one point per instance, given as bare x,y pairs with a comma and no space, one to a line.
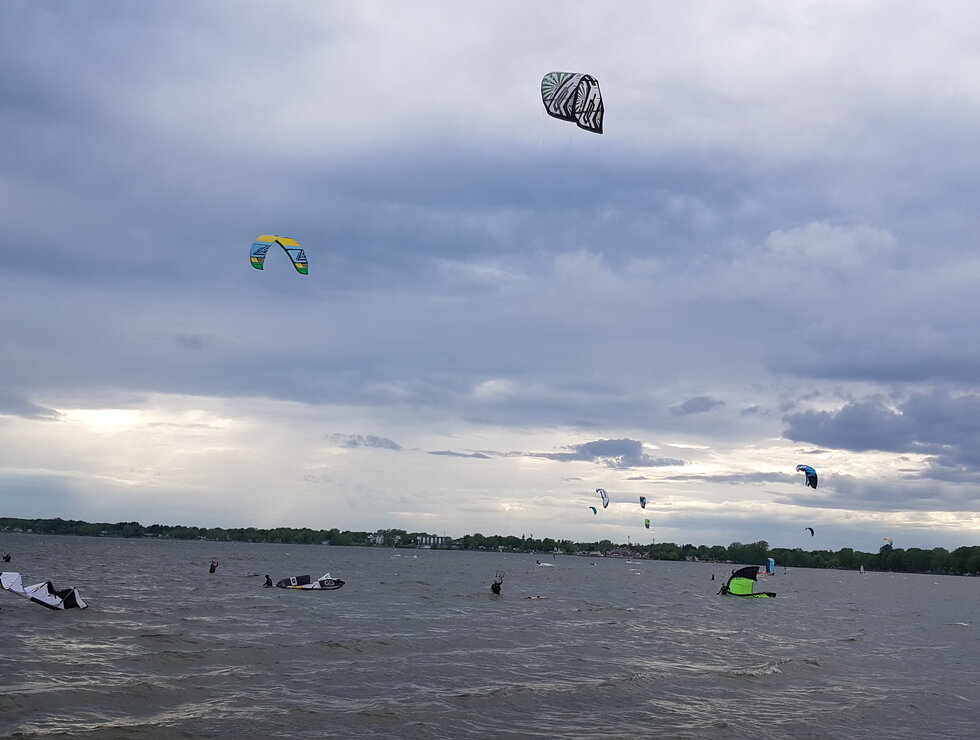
44,594
306,583
572,96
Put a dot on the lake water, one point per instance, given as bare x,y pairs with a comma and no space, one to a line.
417,647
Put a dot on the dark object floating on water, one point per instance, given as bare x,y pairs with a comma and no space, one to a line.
306,583
44,594
740,583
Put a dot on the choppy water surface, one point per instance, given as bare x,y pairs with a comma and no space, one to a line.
417,647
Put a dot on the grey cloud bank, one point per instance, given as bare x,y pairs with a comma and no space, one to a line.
771,248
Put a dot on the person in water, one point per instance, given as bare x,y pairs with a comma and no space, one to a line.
498,580
214,566
268,582
724,587
6,557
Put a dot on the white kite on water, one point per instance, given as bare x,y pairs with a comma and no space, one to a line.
44,594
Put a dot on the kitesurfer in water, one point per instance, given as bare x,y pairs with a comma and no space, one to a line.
724,587
268,582
6,557
214,566
498,580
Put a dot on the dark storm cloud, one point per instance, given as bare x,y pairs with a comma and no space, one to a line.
695,405
361,440
859,426
616,453
941,424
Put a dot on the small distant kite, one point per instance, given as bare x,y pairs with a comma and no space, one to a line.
643,502
260,248
646,523
594,510
604,496
574,97
810,530
889,541
810,473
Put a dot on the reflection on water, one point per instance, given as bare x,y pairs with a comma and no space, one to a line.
418,647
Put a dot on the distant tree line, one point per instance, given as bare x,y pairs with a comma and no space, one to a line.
961,561
287,535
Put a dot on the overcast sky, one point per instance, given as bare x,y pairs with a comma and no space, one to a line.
770,257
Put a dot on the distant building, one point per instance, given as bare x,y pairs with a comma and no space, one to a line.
431,540
381,536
